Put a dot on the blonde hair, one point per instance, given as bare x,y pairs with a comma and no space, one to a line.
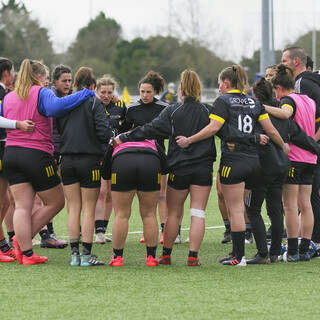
106,80
191,84
27,77
237,77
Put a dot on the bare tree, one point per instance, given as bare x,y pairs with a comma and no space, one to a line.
188,21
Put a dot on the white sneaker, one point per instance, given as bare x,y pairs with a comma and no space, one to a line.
243,262
178,239
187,240
101,238
35,242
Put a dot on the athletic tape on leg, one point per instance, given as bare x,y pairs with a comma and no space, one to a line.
197,213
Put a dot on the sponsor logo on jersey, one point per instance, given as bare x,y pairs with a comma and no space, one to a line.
243,101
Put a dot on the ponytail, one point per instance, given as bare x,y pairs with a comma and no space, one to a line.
283,77
191,84
262,89
237,77
27,77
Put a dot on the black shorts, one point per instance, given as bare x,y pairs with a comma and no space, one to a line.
30,165
201,176
57,158
135,171
2,145
300,173
238,167
83,169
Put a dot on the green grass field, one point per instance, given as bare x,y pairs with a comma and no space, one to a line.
57,291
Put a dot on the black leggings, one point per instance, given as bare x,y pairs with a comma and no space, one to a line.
271,190
315,202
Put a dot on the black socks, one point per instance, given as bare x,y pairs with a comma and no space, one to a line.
193,254
28,253
166,251
238,244
74,244
4,247
86,248
292,246
101,226
44,234
151,251
117,252
50,228
304,245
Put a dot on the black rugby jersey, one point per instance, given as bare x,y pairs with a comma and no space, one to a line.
182,119
116,112
242,113
140,113
287,101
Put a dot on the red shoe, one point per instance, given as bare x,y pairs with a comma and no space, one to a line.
17,249
34,259
5,258
161,238
151,261
165,260
116,262
9,253
142,239
193,262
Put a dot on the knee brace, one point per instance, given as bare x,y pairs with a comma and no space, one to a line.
197,213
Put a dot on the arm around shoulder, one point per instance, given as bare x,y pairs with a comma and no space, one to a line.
50,105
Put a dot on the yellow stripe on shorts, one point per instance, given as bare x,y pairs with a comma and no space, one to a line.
114,178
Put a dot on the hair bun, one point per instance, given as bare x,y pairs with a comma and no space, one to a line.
282,69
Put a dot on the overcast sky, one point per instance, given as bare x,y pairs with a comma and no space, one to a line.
232,27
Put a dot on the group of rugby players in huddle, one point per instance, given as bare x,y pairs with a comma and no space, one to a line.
107,153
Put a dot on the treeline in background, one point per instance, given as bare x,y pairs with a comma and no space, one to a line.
100,45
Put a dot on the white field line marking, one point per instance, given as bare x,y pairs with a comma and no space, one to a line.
140,232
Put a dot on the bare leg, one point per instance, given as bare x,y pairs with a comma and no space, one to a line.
23,194
100,206
221,203
53,202
148,208
108,201
122,202
4,203
290,206
199,198
89,197
233,195
73,196
163,209
305,207
175,202
8,219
